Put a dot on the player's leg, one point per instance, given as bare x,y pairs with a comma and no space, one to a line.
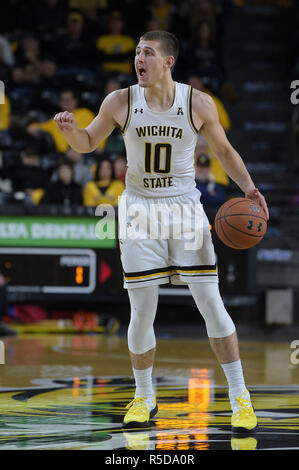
196,266
142,347
224,342
145,265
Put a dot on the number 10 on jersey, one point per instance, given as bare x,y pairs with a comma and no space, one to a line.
153,157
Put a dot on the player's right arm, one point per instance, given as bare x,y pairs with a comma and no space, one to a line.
206,113
88,139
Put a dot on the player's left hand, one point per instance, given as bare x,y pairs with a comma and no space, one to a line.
257,197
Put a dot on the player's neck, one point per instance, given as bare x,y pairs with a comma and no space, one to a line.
160,96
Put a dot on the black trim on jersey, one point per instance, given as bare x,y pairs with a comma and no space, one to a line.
129,110
190,110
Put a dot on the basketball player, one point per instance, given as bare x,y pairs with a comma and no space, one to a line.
160,120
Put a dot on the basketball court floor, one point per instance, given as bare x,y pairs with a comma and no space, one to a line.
63,391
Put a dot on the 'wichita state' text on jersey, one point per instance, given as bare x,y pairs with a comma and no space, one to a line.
160,145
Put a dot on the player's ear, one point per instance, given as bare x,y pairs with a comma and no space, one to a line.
169,61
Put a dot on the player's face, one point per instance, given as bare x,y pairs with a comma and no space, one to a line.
150,64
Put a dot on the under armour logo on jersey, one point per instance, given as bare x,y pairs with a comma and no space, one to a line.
180,111
138,110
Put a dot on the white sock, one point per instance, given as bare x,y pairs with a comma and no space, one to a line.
144,385
234,375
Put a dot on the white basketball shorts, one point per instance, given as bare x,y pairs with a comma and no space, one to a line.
165,240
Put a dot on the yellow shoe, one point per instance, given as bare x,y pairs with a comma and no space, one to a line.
247,443
139,413
138,441
244,420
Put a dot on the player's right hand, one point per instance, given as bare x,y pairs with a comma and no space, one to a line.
65,121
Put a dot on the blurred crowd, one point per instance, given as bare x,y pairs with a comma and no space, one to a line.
68,55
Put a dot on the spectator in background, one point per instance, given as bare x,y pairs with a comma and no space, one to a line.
81,166
162,11
205,60
5,112
75,49
28,175
212,194
87,4
5,330
93,21
217,172
198,84
202,145
112,84
95,13
201,10
120,168
153,24
114,143
105,189
68,101
49,16
116,48
32,66
65,190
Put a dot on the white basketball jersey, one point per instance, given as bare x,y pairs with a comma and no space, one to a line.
160,145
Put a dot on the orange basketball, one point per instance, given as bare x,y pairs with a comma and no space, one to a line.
240,223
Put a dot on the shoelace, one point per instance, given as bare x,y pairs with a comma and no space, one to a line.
245,407
136,403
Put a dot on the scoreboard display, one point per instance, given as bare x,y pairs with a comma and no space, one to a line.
49,270
57,257
37,273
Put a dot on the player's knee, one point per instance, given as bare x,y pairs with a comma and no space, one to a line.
143,304
210,304
142,316
208,299
141,340
219,323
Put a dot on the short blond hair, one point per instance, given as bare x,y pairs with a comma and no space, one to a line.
168,42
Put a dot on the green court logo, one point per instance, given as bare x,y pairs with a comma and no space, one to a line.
2,353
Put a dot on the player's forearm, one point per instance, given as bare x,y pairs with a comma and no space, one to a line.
79,140
234,166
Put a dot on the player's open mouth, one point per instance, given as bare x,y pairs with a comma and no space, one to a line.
141,72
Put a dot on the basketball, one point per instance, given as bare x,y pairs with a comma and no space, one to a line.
240,223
